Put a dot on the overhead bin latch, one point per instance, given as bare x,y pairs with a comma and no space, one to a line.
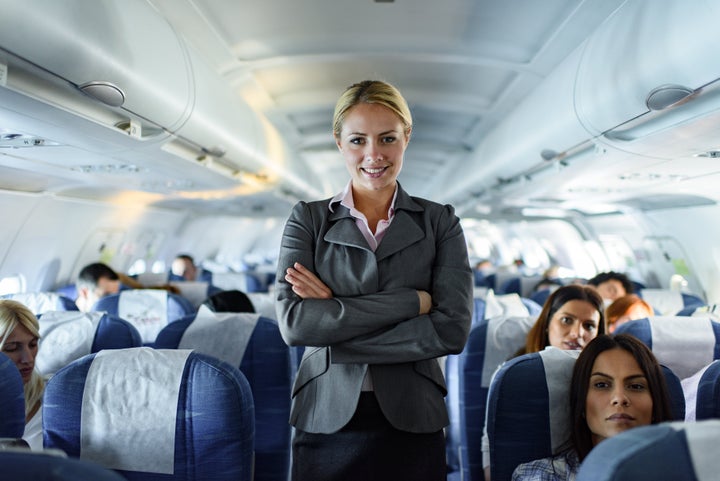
106,92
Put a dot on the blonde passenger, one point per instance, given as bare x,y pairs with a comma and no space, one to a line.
19,335
624,309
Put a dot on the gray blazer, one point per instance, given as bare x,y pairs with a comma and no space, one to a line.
372,321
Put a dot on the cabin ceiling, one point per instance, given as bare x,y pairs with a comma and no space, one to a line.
466,67
463,65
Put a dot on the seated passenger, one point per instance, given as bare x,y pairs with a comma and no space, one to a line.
571,317
617,384
612,285
96,281
19,334
184,268
624,309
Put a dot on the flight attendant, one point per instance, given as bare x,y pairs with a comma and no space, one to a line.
377,285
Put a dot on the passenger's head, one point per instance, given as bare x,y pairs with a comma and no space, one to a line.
612,285
570,318
19,335
624,309
94,282
372,126
184,266
617,384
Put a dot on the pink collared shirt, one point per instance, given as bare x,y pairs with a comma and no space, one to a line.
373,239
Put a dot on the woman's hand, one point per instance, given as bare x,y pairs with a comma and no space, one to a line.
425,302
306,284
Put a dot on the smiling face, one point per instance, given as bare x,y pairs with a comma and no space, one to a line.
573,325
21,346
372,141
618,395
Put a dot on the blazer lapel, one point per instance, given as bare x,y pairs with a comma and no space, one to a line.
403,230
343,230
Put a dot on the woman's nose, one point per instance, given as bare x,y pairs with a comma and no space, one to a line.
619,398
25,355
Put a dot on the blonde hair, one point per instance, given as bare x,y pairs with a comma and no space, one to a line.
13,313
371,92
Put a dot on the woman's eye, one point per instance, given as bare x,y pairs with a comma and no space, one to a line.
357,141
10,347
389,139
567,320
601,384
637,386
590,327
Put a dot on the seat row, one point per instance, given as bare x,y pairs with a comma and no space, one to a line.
688,347
228,375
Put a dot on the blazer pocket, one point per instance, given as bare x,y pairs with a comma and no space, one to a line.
314,364
430,369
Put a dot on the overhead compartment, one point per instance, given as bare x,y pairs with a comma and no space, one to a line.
638,66
125,44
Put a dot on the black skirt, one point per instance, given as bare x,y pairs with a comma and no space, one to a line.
368,448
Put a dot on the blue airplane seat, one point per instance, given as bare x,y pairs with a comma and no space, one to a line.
24,465
39,302
149,310
183,415
12,400
69,335
534,309
683,344
528,409
452,399
708,393
490,344
252,343
541,296
674,451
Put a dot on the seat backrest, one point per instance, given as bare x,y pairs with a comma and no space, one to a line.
12,400
194,291
669,302
149,310
23,465
252,343
264,304
684,344
491,342
40,302
69,335
675,451
183,415
528,410
703,393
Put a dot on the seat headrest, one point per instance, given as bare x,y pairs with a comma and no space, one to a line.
146,309
64,337
665,301
679,451
684,344
12,400
505,335
210,331
40,302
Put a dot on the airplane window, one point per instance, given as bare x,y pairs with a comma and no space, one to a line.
158,267
137,267
12,284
